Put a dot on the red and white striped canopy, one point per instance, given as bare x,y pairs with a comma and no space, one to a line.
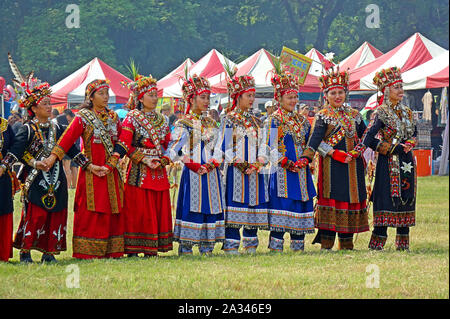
366,53
210,66
72,88
318,59
413,52
431,74
257,65
169,85
260,66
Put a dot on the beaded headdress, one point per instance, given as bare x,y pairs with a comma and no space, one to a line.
193,86
30,89
140,86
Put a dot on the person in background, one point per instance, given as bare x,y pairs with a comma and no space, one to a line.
17,122
55,113
270,108
166,110
303,109
215,116
70,167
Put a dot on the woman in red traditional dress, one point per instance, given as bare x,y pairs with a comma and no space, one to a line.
98,223
144,138
7,192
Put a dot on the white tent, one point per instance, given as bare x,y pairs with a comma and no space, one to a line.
210,66
72,88
414,51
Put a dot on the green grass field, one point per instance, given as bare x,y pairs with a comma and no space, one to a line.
423,272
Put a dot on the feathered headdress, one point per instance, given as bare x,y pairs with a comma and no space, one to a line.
31,90
237,85
283,81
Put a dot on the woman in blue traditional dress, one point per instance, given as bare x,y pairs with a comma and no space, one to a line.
199,215
291,187
245,188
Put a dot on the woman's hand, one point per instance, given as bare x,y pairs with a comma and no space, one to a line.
99,171
202,170
407,147
42,166
50,161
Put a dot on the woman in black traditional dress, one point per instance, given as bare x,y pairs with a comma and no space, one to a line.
392,133
341,200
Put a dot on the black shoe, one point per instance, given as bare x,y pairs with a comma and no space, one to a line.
48,258
25,257
132,255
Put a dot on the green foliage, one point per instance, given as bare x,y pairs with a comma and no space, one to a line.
159,35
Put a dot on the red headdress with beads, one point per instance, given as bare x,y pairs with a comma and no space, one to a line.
95,86
239,85
332,78
284,83
385,78
195,85
140,86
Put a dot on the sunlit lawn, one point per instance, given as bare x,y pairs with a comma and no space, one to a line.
421,273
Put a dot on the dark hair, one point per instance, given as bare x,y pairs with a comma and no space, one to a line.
55,112
87,104
68,112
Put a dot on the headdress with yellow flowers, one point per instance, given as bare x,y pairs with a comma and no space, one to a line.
140,86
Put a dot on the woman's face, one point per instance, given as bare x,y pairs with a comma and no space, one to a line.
336,97
289,101
246,100
149,100
43,109
100,98
396,93
201,102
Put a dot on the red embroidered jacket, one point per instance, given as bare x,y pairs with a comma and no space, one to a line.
145,135
100,194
